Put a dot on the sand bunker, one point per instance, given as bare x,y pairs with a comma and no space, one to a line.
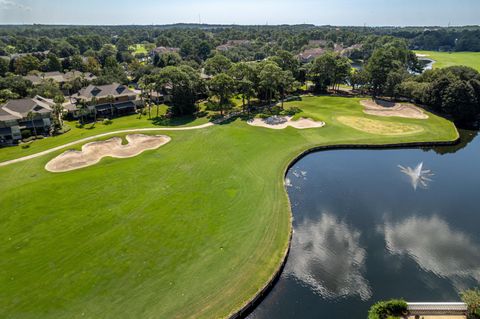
281,122
379,127
93,152
385,108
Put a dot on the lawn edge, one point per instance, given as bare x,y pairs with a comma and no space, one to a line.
253,302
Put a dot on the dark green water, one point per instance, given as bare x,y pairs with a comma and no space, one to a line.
363,233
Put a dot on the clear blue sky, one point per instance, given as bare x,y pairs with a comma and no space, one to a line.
319,12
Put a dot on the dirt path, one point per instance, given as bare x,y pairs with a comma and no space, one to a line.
90,138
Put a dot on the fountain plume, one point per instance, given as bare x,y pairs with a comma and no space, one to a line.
418,176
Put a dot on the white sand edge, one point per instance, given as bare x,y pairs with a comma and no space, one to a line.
398,110
93,152
301,124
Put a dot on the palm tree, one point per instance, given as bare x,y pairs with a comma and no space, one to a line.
58,109
31,116
81,107
150,88
93,102
141,85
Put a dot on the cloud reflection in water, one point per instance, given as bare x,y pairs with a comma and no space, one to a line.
436,248
327,257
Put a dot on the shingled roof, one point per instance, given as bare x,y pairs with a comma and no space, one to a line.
17,109
102,91
163,50
59,77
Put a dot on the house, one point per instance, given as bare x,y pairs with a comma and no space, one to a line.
232,44
309,55
60,77
163,50
106,100
15,119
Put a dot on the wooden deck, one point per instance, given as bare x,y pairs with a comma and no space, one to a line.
437,310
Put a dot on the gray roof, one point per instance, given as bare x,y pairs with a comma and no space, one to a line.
59,77
18,109
102,91
6,116
163,50
310,54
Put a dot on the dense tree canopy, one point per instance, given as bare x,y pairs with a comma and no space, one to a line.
246,61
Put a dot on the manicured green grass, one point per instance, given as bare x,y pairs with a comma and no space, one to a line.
191,230
138,49
141,48
76,133
446,59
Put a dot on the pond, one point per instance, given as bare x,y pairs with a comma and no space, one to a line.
375,224
426,63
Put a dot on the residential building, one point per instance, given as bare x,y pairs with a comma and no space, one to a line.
309,55
60,77
232,44
106,100
17,116
163,50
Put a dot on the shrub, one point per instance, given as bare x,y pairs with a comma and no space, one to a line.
107,122
28,139
472,298
26,133
387,309
201,114
291,111
276,110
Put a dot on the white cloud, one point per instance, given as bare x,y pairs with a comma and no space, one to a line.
326,256
11,4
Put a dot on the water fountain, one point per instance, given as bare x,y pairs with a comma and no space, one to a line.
418,176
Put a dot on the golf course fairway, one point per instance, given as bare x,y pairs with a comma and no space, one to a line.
446,59
193,229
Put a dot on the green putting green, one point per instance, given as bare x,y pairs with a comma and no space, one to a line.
193,229
446,59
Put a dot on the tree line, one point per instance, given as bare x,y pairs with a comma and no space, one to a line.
264,66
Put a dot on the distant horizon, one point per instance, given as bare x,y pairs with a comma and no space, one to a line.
374,13
239,25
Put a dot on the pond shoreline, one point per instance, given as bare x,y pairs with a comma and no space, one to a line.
250,306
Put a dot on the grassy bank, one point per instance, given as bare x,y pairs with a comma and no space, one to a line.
191,230
76,132
446,59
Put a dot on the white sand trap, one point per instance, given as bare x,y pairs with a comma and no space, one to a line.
93,152
388,109
281,122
